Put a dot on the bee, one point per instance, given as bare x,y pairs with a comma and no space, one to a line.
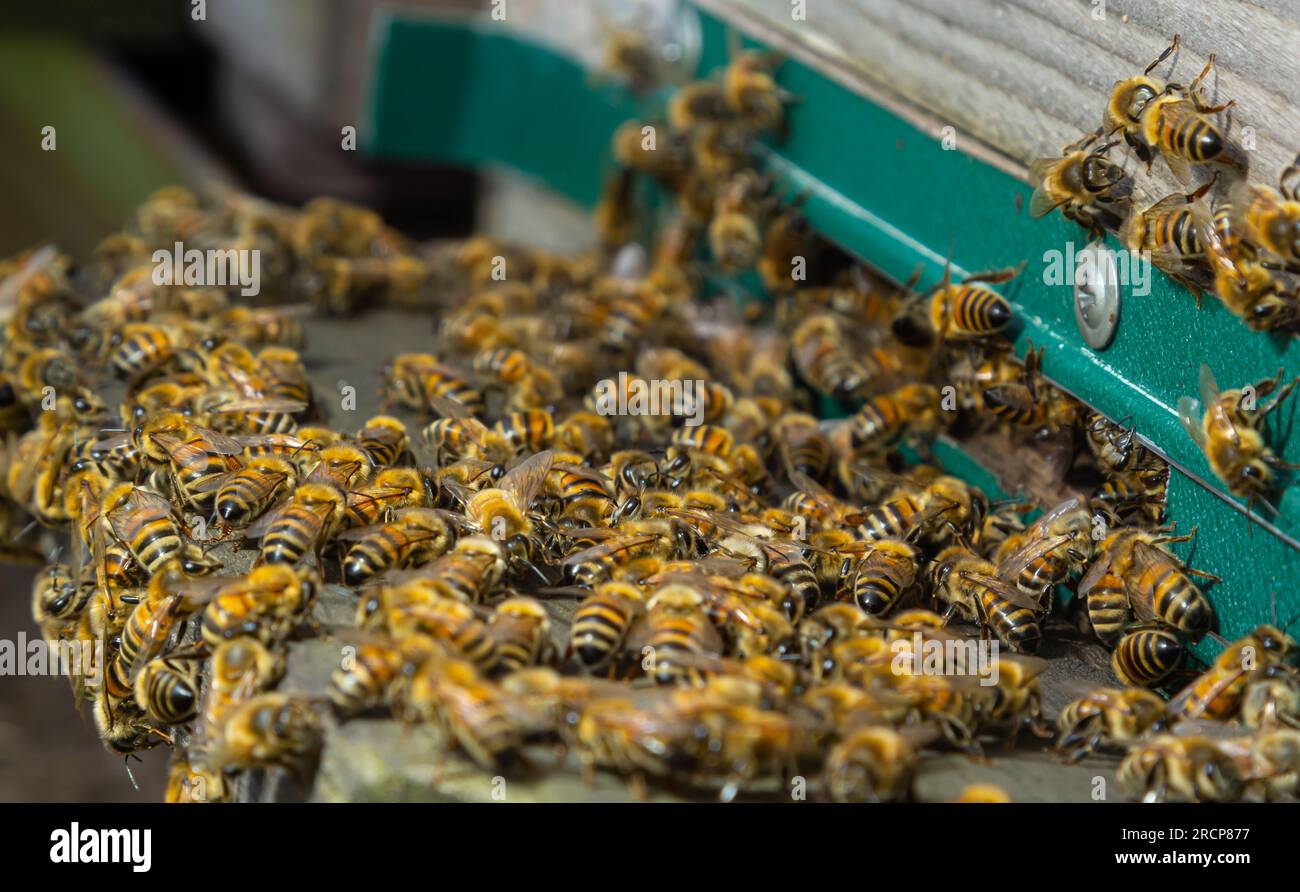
306,521
1144,658
752,92
413,380
140,348
785,241
885,417
412,536
885,576
142,521
802,446
1269,219
1035,571
1193,769
1231,433
1271,698
1107,717
167,689
476,714
122,726
392,489
266,730
264,605
383,439
502,511
243,495
1089,189
825,360
601,623
522,629
1031,404
978,590
674,629
1157,583
1174,232
379,668
58,599
1116,448
959,312
1217,693
1170,119
1136,498
472,569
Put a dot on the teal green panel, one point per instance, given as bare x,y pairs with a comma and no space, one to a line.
473,95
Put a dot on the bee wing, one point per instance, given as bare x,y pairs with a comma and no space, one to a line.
258,528
1208,387
1043,202
1039,526
1221,683
156,636
36,262
523,482
258,404
607,548
1013,564
1189,415
1003,590
1095,573
450,408
356,533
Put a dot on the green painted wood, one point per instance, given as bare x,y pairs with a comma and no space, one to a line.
893,196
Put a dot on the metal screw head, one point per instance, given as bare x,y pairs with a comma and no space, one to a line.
1096,295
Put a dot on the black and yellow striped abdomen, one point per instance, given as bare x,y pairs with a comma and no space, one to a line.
1146,657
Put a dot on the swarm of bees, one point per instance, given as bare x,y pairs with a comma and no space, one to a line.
749,590
1245,249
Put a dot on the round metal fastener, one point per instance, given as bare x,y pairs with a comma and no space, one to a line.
1096,295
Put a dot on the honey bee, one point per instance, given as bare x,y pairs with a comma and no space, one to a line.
885,417
392,489
1107,717
615,215
1157,583
675,626
266,730
978,590
959,312
885,576
1271,698
1216,694
305,522
785,241
522,629
1231,433
167,689
601,623
735,237
1173,232
1167,118
243,495
1269,219
412,536
413,380
265,605
824,359
1193,769
383,439
1145,657
476,714
752,92
378,668
1089,189
1031,404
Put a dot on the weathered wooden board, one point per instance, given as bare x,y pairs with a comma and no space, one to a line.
1025,77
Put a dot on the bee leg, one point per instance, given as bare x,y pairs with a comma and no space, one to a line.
1165,55
1202,574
